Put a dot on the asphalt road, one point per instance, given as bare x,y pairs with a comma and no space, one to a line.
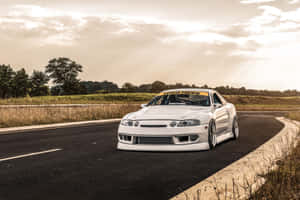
88,166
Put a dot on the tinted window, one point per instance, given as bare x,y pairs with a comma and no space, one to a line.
221,98
217,100
181,99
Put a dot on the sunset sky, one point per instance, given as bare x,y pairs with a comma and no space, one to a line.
252,43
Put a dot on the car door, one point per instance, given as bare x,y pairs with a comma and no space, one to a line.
221,114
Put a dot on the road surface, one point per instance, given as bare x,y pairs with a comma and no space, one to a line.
82,163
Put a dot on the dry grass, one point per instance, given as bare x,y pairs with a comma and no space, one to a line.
263,100
283,183
294,115
270,107
11,117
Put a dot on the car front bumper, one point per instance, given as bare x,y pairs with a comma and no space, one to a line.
135,132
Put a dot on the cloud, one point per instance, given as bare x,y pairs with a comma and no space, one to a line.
113,46
293,15
270,14
273,20
145,49
255,1
294,1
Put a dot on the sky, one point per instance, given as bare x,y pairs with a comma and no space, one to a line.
251,43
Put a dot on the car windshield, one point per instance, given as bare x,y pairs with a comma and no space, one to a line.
195,99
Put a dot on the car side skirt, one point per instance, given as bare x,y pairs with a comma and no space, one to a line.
225,136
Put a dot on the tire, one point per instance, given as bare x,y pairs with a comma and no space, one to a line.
212,136
235,129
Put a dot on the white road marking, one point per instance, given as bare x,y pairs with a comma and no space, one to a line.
30,154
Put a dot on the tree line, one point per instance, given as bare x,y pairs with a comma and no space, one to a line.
158,86
63,74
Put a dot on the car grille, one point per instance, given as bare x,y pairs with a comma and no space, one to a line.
153,126
153,140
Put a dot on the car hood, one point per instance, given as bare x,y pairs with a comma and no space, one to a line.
173,112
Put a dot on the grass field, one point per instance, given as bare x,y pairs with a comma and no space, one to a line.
110,98
241,102
115,105
284,182
12,117
294,115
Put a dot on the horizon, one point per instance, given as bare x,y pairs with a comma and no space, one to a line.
249,43
197,86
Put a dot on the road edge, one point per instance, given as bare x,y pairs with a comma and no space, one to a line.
241,178
54,126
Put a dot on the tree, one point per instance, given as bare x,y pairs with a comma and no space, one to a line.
145,88
64,72
56,90
129,87
93,87
158,86
20,83
39,81
6,79
205,86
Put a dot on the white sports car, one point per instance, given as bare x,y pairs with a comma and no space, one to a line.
179,120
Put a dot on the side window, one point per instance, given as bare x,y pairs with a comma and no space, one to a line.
217,99
221,98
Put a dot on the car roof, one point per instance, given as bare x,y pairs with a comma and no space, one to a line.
190,90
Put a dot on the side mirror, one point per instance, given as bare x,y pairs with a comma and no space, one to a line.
217,105
143,105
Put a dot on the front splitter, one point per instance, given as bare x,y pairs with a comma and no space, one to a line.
174,147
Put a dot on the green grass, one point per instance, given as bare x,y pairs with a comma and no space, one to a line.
81,99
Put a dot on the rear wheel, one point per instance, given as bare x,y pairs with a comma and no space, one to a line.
212,136
235,129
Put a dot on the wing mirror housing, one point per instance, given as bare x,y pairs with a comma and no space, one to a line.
217,105
143,105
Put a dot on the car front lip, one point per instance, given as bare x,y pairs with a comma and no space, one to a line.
142,147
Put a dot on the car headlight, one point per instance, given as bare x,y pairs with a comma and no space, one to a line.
126,122
188,122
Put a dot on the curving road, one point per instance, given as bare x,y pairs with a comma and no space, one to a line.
83,163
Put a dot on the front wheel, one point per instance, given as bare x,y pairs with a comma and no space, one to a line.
235,129
212,136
